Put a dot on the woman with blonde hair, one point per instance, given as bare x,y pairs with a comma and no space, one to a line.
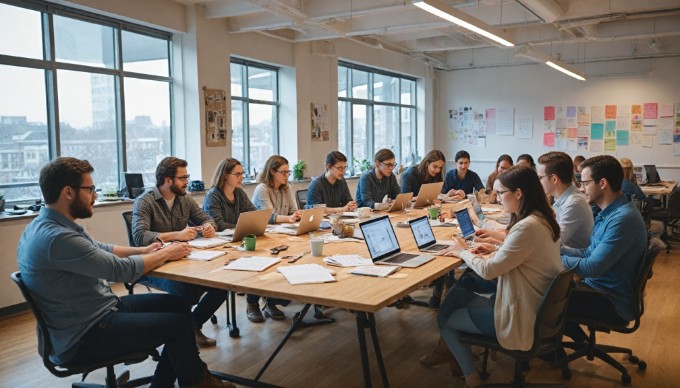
274,192
630,186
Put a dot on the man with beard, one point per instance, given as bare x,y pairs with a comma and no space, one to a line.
67,273
164,214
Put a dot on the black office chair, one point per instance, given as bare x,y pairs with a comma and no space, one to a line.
64,370
670,217
301,198
592,348
548,330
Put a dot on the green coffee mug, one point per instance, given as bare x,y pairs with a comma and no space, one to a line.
249,242
433,212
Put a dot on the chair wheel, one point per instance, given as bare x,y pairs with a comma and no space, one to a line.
400,305
633,359
213,319
566,374
626,379
642,365
233,333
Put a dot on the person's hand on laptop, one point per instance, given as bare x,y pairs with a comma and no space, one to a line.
483,248
458,246
497,235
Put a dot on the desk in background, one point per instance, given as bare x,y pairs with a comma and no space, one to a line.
664,191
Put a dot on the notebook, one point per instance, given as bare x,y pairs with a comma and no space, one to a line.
422,232
428,194
310,222
254,222
383,245
400,202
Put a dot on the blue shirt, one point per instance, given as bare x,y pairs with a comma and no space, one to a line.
411,180
468,184
371,190
67,273
629,188
615,255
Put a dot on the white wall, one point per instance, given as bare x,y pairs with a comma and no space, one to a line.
528,89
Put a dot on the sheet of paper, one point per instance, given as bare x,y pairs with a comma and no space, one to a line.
306,274
226,232
203,242
347,260
205,255
375,270
252,263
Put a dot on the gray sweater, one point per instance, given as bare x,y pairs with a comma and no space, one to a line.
224,212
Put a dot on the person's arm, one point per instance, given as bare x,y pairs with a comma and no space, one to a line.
214,206
315,193
141,221
448,182
261,201
477,183
365,192
407,185
292,203
394,187
244,203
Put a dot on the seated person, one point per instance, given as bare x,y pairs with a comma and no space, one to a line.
571,207
629,186
616,251
87,321
461,181
578,159
526,160
164,214
503,163
273,192
524,264
378,182
330,188
226,199
429,170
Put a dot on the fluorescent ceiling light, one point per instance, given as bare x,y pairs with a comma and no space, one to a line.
538,55
565,71
464,20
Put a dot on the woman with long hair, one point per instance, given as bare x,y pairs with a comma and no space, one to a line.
429,170
524,264
274,192
226,199
503,163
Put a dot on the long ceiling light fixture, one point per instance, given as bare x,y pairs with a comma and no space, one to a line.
539,56
464,20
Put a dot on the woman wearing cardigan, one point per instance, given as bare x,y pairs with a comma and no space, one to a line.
226,200
524,264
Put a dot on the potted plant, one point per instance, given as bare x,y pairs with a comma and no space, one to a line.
362,165
299,170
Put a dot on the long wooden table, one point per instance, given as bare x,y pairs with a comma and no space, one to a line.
664,190
362,295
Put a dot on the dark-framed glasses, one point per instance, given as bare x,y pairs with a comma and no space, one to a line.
183,177
90,189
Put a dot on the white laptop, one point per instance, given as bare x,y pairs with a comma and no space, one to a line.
422,232
400,202
383,245
254,222
476,206
310,222
428,194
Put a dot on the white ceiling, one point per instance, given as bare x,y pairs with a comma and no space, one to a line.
575,31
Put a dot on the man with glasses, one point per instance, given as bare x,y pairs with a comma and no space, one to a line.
68,274
378,182
331,188
166,213
616,251
574,215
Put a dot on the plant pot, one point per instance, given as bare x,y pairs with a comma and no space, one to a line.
2,205
297,175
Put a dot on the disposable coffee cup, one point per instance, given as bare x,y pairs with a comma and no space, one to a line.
316,246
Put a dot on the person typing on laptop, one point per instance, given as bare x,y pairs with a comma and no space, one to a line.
429,170
524,264
378,182
226,200
165,213
330,188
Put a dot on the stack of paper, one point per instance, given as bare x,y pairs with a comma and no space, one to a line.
205,255
306,274
203,242
375,270
347,260
252,263
226,233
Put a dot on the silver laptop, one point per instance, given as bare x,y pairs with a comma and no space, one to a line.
400,202
428,194
422,232
383,245
476,206
310,222
254,222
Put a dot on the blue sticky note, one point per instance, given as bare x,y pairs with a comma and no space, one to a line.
621,138
597,131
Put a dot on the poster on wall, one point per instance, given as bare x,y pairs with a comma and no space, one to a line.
319,122
216,123
505,120
525,128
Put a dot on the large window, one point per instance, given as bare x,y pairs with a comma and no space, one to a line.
254,113
81,85
376,110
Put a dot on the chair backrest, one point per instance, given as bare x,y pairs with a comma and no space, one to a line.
127,217
552,310
653,248
674,203
301,198
44,343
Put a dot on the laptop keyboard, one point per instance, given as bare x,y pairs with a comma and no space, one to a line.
438,247
400,258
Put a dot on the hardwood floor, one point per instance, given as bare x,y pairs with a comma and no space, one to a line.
328,356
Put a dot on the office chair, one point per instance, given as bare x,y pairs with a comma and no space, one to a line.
301,198
548,330
670,217
64,370
592,348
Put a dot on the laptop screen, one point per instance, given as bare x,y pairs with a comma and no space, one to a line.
652,173
380,238
476,206
422,232
465,223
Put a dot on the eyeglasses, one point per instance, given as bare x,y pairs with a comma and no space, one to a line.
501,192
284,172
543,176
341,169
91,189
183,178
389,165
237,174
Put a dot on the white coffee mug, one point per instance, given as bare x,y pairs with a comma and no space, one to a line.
364,211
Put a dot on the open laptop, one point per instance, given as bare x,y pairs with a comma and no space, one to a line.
400,202
428,194
476,206
422,232
254,222
653,178
383,245
310,222
467,229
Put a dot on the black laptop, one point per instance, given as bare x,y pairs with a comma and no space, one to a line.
653,178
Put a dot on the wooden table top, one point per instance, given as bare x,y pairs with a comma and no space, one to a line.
355,292
666,189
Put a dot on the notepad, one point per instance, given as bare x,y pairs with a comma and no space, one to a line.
205,255
306,274
203,242
252,263
375,270
226,232
347,260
